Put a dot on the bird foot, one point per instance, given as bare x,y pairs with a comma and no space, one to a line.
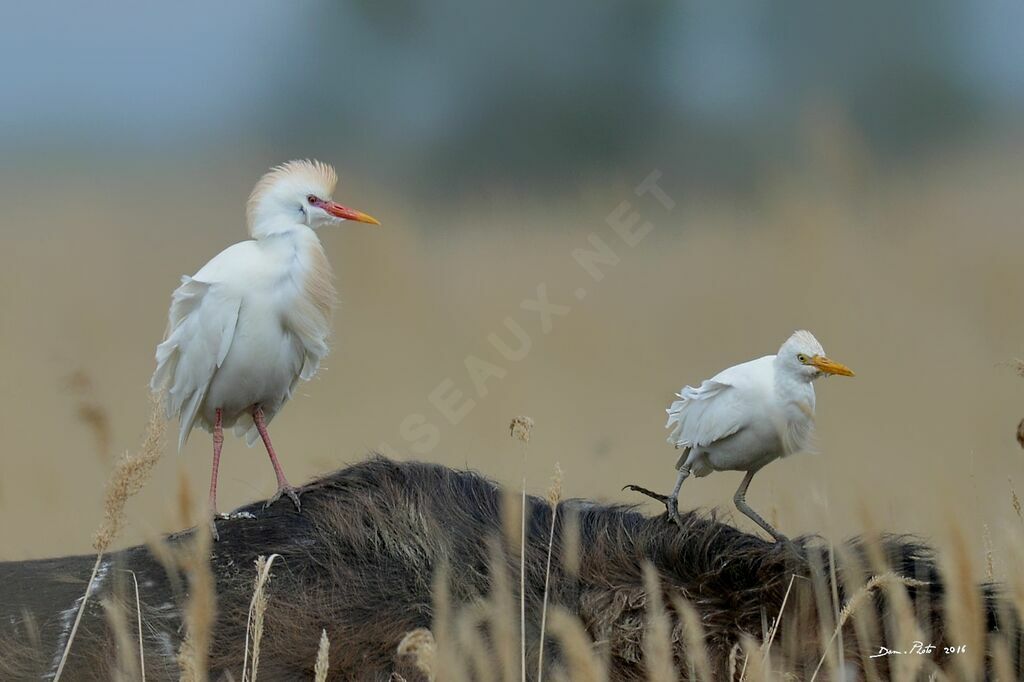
213,527
667,500
290,491
784,542
649,493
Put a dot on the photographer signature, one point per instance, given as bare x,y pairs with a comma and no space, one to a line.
921,649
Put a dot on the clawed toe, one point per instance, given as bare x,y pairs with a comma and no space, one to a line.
292,493
649,493
667,500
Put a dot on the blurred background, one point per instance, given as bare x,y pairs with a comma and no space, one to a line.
855,170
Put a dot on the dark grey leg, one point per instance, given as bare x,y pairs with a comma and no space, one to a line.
741,503
670,501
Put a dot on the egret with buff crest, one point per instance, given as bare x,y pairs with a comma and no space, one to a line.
255,320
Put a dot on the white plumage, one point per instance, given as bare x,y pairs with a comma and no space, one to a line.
255,319
747,416
239,336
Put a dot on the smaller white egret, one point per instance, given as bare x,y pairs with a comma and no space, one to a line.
747,416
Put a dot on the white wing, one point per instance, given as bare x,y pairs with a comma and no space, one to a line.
200,328
309,318
714,410
314,347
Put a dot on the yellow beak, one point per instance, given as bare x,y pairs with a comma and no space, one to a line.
830,366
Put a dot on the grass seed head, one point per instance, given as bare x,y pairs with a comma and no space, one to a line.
322,658
555,491
130,474
419,645
520,428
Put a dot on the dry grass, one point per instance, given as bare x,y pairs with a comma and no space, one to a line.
129,476
501,621
200,610
127,664
479,641
91,412
753,660
420,645
491,657
138,625
323,659
990,560
520,430
445,636
257,611
757,663
965,615
582,663
554,497
778,618
693,634
657,636
857,601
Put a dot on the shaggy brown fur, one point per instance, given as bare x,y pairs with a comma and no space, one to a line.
360,559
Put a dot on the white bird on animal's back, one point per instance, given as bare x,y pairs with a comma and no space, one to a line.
255,320
747,416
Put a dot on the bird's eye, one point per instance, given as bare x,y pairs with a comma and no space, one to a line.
312,199
802,358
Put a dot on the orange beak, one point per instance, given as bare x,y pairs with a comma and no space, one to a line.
830,366
345,213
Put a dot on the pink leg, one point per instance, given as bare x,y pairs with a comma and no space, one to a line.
283,487
218,444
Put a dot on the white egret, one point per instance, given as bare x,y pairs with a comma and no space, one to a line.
255,320
747,416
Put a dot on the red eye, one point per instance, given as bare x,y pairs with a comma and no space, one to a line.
312,199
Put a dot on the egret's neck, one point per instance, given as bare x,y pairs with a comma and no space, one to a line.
289,242
789,380
795,392
277,226
302,273
291,249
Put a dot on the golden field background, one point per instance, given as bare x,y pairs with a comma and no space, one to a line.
912,277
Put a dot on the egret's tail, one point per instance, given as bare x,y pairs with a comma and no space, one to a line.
197,341
675,414
186,407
